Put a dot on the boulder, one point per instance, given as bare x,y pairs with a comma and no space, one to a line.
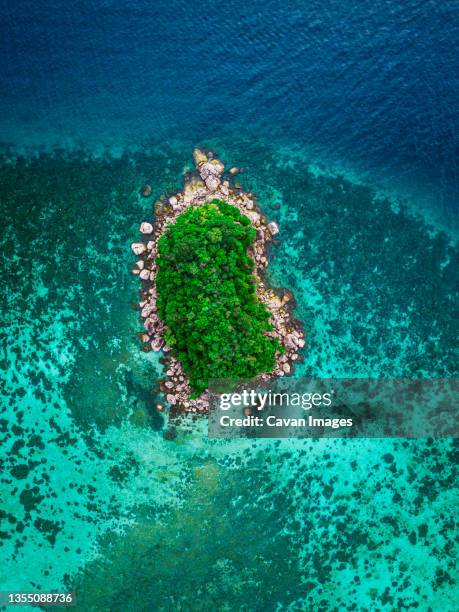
290,343
146,228
145,274
157,344
273,228
256,219
233,170
138,248
212,183
206,170
218,166
213,168
146,311
199,157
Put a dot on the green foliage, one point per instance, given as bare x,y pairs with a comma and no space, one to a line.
206,296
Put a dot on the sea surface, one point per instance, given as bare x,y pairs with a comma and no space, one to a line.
344,116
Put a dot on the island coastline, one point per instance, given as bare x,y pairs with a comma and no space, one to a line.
206,183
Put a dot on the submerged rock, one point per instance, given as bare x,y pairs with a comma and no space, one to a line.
146,191
199,157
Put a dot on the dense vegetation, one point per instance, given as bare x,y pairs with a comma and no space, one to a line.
206,296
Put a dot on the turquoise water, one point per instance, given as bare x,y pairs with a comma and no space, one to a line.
93,497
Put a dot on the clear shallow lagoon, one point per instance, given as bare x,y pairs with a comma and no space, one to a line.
92,496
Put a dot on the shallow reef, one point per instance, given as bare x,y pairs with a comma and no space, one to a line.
93,496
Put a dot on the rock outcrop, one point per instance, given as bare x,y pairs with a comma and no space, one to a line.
202,186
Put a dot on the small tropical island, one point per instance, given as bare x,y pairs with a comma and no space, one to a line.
205,300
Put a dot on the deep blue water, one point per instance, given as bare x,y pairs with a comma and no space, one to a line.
369,86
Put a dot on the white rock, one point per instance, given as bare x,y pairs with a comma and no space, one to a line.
273,228
170,398
173,201
138,248
146,228
140,264
286,368
212,182
301,342
205,170
145,274
211,168
147,311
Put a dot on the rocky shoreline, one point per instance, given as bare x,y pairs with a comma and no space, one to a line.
206,183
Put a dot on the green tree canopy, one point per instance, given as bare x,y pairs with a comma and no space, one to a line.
214,321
